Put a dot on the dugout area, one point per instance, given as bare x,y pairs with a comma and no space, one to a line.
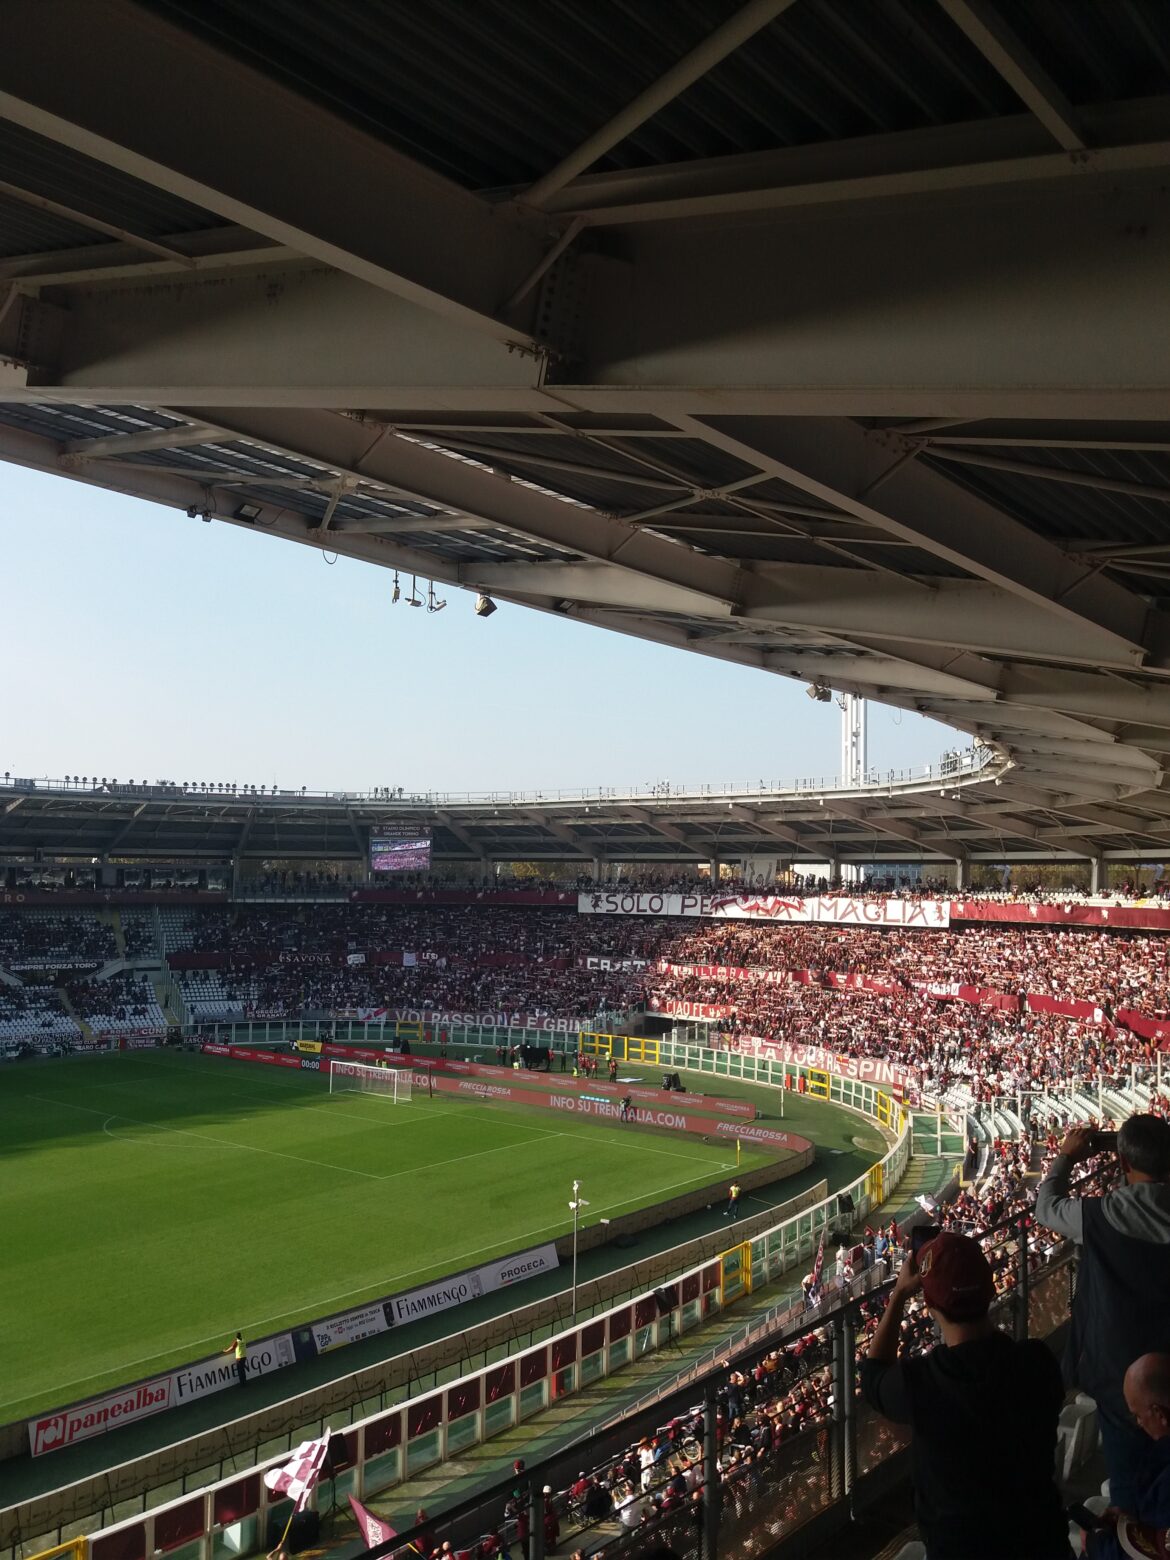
264,1200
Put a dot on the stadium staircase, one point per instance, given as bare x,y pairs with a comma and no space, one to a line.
164,990
115,921
86,1032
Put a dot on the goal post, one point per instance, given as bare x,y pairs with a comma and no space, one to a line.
392,1083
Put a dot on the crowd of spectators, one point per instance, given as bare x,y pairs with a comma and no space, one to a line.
482,959
119,1005
857,991
43,939
33,1015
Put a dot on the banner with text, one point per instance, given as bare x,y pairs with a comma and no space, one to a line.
924,914
866,1069
96,1415
693,1012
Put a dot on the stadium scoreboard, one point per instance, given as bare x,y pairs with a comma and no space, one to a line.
408,851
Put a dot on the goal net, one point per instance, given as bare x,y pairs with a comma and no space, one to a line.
392,1083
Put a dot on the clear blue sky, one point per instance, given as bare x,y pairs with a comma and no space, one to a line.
142,644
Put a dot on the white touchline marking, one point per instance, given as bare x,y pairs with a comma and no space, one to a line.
367,1289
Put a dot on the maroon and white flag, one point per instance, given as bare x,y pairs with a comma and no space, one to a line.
374,1529
299,1475
819,1264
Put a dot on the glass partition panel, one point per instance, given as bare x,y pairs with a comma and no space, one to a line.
498,1416
237,1538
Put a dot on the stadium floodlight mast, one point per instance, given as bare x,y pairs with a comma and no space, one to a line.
576,1205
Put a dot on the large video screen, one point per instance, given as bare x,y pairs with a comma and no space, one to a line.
391,853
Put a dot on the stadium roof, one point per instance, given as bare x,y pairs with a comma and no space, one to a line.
962,809
827,339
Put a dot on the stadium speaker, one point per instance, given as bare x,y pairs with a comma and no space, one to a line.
844,1203
666,1299
337,1456
303,1532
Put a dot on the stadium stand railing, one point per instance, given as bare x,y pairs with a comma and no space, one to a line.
817,1479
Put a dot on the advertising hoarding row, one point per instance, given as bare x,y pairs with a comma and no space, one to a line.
173,1389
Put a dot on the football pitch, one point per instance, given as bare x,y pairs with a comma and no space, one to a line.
153,1204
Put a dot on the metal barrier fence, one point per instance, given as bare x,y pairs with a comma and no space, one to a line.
767,1502
235,1517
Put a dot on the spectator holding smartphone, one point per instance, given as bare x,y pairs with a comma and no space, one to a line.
1122,1304
983,1408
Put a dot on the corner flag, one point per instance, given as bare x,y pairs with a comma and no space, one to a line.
299,1475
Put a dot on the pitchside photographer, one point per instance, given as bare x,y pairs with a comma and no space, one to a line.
1122,1304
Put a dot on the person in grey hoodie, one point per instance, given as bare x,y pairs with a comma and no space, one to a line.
1122,1304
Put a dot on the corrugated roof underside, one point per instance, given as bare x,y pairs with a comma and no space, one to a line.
496,93
69,178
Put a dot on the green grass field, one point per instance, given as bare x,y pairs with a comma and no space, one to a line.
152,1204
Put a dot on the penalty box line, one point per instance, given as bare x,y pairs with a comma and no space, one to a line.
522,1126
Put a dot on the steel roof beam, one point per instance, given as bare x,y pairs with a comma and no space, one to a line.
870,477
1144,703
371,449
260,337
55,208
176,437
218,248
891,309
1004,52
1005,150
356,204
728,37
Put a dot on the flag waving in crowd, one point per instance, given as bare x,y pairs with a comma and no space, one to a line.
299,1475
818,1265
374,1529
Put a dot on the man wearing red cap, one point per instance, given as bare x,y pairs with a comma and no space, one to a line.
984,1411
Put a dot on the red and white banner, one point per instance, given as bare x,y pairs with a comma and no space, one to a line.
866,1069
696,1012
742,974
841,910
1152,916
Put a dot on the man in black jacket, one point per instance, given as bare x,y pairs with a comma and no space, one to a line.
984,1410
1122,1305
